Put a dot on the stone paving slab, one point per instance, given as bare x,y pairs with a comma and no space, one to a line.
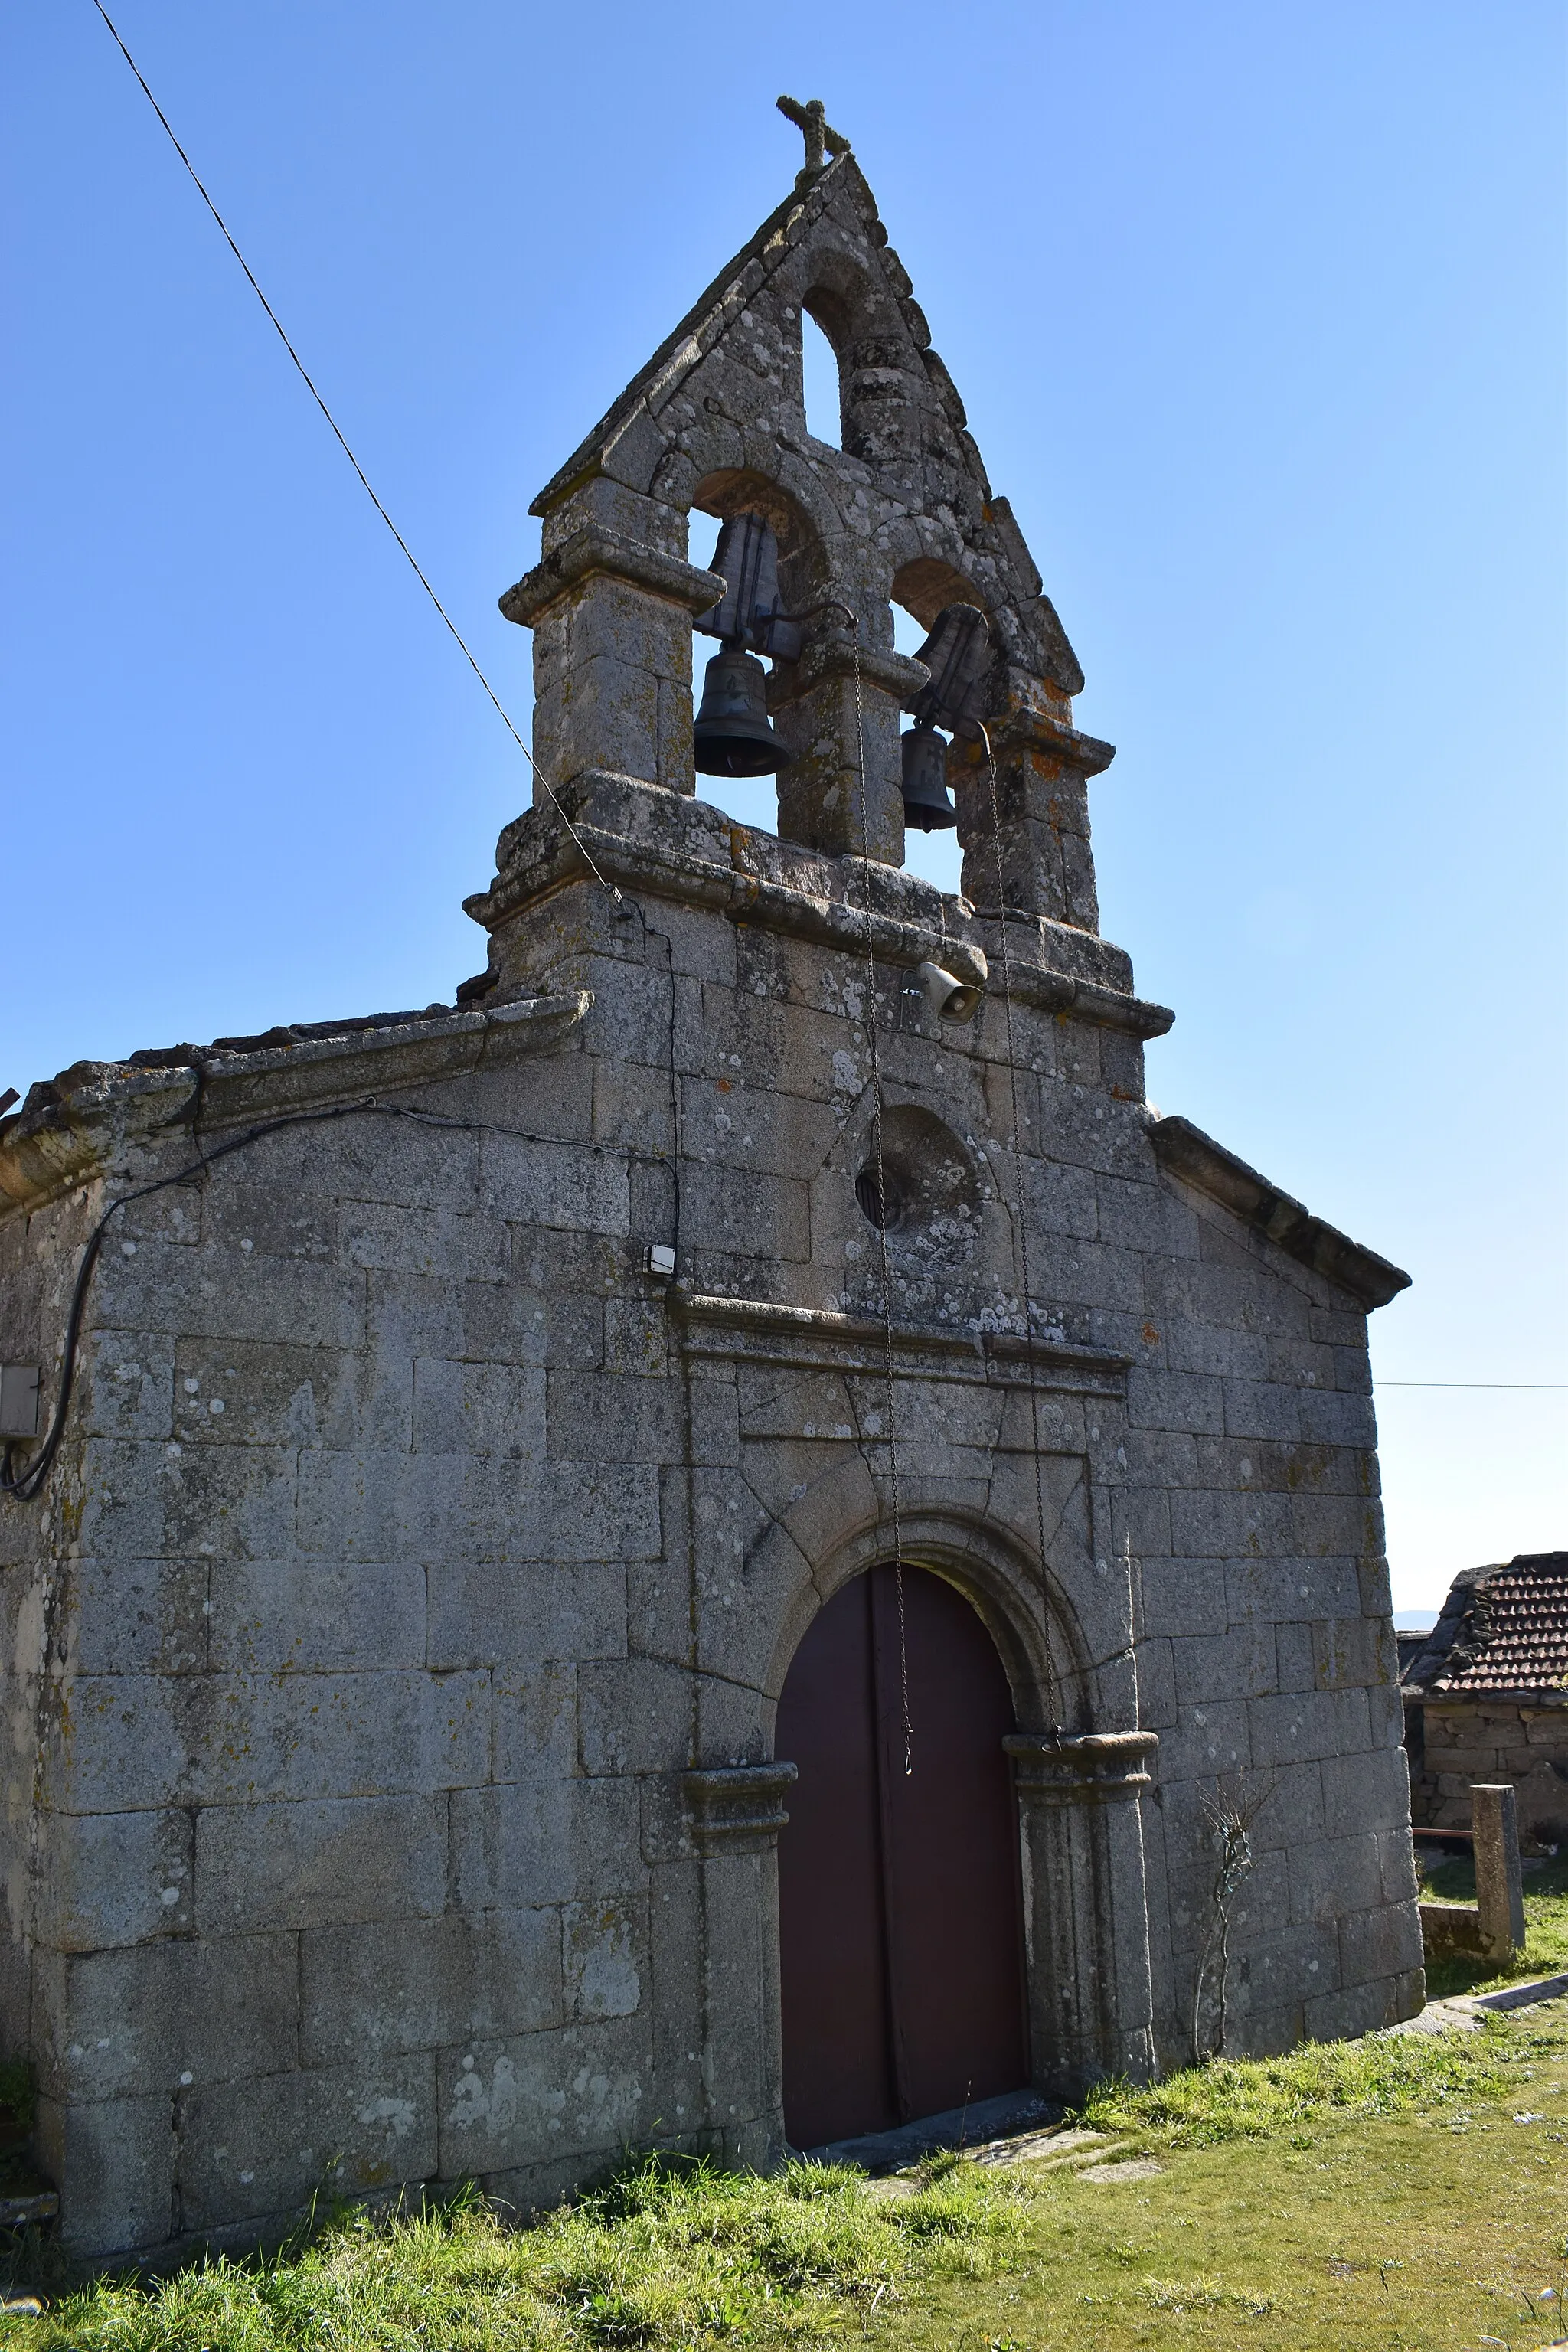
1462,2012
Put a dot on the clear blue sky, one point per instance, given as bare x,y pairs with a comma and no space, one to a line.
1258,311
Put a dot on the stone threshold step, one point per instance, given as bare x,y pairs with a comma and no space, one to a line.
970,2127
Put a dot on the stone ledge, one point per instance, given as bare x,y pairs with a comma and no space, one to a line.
1025,729
1096,1768
668,873
1087,999
737,1807
757,1331
1202,1162
596,550
96,1106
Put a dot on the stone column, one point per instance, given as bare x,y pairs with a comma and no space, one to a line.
1500,1882
734,1816
817,717
1043,766
1086,1910
612,658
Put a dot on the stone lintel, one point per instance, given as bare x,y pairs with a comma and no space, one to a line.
595,550
1206,1165
757,1331
737,1807
1096,1768
97,1106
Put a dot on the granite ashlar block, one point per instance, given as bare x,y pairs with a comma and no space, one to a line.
399,1507
229,1294
540,2096
421,1984
270,2144
541,1841
148,2020
112,2161
113,1879
316,1617
487,1612
320,1863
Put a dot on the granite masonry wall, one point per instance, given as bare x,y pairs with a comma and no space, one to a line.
392,1655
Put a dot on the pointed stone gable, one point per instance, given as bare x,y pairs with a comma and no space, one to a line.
903,513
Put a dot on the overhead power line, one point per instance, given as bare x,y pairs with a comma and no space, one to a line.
1554,1385
306,379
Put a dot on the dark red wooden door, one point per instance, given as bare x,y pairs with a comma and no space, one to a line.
899,1919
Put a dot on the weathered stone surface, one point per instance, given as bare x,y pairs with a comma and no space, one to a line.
450,1480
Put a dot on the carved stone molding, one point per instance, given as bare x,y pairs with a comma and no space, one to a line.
760,1331
594,549
91,1110
1107,1008
1202,1162
1094,1768
737,1807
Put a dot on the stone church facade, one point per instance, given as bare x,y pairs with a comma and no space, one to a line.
470,1410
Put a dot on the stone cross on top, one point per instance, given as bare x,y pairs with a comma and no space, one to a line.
811,121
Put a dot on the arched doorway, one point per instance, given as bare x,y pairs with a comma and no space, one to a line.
901,1939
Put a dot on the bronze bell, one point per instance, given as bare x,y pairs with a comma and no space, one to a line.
733,735
926,804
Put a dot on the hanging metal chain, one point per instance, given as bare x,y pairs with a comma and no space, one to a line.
1053,1703
881,1196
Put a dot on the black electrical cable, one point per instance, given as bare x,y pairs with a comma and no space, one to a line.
23,1488
310,386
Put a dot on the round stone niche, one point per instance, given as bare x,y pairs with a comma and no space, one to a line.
922,1189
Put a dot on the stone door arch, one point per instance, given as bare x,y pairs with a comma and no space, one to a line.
901,1943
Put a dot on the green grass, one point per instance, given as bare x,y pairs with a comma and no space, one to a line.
1545,1925
1365,2194
669,2254
1251,2098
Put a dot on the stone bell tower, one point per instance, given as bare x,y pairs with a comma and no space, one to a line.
902,514
449,1454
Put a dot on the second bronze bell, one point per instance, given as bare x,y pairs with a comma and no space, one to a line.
733,735
926,804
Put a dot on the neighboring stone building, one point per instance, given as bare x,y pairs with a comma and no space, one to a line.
394,1640
1486,1698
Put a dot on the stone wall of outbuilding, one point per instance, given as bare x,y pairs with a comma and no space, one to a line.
1498,1736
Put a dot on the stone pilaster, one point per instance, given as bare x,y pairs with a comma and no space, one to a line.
1040,815
834,729
612,656
1085,1913
734,1816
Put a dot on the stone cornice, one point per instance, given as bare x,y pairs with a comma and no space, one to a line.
1206,1165
1094,1769
664,872
1087,999
759,1331
1025,729
95,1108
737,1807
595,550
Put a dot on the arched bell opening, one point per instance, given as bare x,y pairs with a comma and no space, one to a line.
761,536
936,609
821,382
902,1952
